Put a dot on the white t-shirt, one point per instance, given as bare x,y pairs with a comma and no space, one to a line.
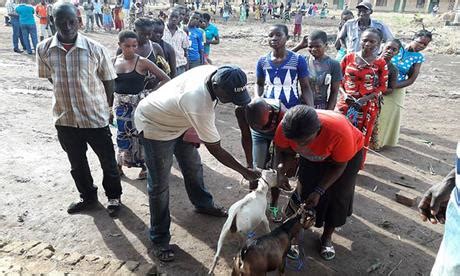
180,104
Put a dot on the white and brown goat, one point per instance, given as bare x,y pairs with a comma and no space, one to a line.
247,213
268,253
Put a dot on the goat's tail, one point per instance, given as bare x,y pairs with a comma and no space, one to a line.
227,225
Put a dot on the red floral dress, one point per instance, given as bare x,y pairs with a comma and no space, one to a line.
360,80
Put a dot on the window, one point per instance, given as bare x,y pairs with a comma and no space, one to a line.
381,3
420,4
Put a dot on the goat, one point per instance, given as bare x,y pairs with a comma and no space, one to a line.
247,213
268,253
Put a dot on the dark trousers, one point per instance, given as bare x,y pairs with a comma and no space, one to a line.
98,17
29,30
17,34
74,142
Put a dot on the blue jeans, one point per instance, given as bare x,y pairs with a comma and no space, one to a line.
159,158
29,30
260,146
17,34
448,259
194,63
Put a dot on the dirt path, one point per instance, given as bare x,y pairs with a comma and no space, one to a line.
36,187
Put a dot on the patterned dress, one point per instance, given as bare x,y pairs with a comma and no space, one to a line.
281,80
361,80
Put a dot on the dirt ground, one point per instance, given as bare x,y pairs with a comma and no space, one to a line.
36,186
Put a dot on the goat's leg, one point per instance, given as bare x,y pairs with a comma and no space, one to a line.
222,236
283,264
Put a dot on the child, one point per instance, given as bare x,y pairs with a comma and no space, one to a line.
80,20
107,19
325,72
341,49
324,11
287,14
118,16
195,35
390,100
257,12
226,11
278,76
298,25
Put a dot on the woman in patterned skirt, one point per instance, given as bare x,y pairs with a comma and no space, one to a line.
132,70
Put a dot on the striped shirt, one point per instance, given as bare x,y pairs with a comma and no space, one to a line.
179,41
79,98
11,8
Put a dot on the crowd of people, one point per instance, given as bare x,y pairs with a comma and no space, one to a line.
321,113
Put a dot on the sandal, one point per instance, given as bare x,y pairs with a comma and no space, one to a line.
327,252
164,253
293,252
213,211
275,214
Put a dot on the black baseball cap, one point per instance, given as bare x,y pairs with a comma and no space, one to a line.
233,80
365,4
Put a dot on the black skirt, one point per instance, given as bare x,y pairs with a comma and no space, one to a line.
337,202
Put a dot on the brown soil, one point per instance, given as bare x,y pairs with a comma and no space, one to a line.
36,186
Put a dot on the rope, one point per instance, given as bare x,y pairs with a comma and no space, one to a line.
399,164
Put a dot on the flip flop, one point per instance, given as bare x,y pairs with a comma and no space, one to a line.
164,253
293,252
327,252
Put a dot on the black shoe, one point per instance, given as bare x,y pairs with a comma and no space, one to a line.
113,206
18,51
213,211
82,205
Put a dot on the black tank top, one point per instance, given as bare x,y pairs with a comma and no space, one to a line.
129,83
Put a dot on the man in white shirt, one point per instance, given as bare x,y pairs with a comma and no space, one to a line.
186,102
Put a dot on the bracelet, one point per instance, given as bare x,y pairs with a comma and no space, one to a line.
319,190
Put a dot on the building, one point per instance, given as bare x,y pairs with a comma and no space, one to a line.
422,6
